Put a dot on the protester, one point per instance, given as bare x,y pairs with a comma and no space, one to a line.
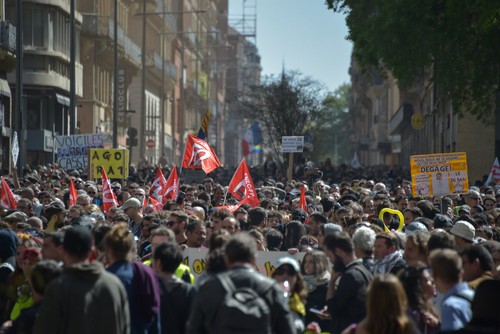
288,274
315,268
477,265
388,255
85,298
347,306
241,251
455,307
139,281
176,296
420,291
41,275
386,309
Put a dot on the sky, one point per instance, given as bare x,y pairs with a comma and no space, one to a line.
301,34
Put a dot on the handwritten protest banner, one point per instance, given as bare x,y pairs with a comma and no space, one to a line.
114,161
439,174
73,151
194,258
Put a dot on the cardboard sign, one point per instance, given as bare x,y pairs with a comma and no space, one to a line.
73,151
439,174
114,161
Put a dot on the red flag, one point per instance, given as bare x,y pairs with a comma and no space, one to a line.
198,154
157,205
158,187
303,203
242,187
7,198
172,186
73,194
108,196
231,208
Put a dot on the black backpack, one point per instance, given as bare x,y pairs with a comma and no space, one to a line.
243,310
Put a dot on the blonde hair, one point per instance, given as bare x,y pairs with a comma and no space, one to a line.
120,241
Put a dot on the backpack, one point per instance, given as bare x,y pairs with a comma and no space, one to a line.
243,310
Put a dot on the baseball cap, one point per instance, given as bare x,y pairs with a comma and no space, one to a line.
472,194
464,208
464,230
414,227
132,202
290,261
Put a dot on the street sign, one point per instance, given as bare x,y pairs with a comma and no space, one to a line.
150,143
292,144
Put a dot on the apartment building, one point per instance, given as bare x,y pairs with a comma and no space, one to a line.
46,73
392,122
7,64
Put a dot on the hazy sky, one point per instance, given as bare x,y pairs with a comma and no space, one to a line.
303,35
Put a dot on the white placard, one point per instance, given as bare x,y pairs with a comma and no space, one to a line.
15,149
292,144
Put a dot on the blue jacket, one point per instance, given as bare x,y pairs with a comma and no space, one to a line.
456,307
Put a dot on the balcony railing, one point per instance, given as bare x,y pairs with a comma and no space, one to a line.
103,26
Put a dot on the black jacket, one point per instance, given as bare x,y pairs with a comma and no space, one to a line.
211,294
176,299
348,303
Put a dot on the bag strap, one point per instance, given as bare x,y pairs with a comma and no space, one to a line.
229,286
362,269
462,296
226,282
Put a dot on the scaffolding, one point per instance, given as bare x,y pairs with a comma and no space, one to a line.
245,22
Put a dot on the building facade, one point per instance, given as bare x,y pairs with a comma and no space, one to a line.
391,122
7,64
46,27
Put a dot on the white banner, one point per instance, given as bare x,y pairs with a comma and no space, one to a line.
195,259
73,151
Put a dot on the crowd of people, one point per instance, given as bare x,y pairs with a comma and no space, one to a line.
365,257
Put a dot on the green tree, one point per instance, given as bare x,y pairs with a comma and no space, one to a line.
285,105
331,132
456,43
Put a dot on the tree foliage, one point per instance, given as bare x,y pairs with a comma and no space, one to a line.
457,42
331,133
286,105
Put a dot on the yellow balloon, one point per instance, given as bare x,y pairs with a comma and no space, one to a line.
392,212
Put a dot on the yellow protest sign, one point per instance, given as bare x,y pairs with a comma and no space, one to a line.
113,160
439,174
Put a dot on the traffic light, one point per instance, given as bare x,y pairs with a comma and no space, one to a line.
132,137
